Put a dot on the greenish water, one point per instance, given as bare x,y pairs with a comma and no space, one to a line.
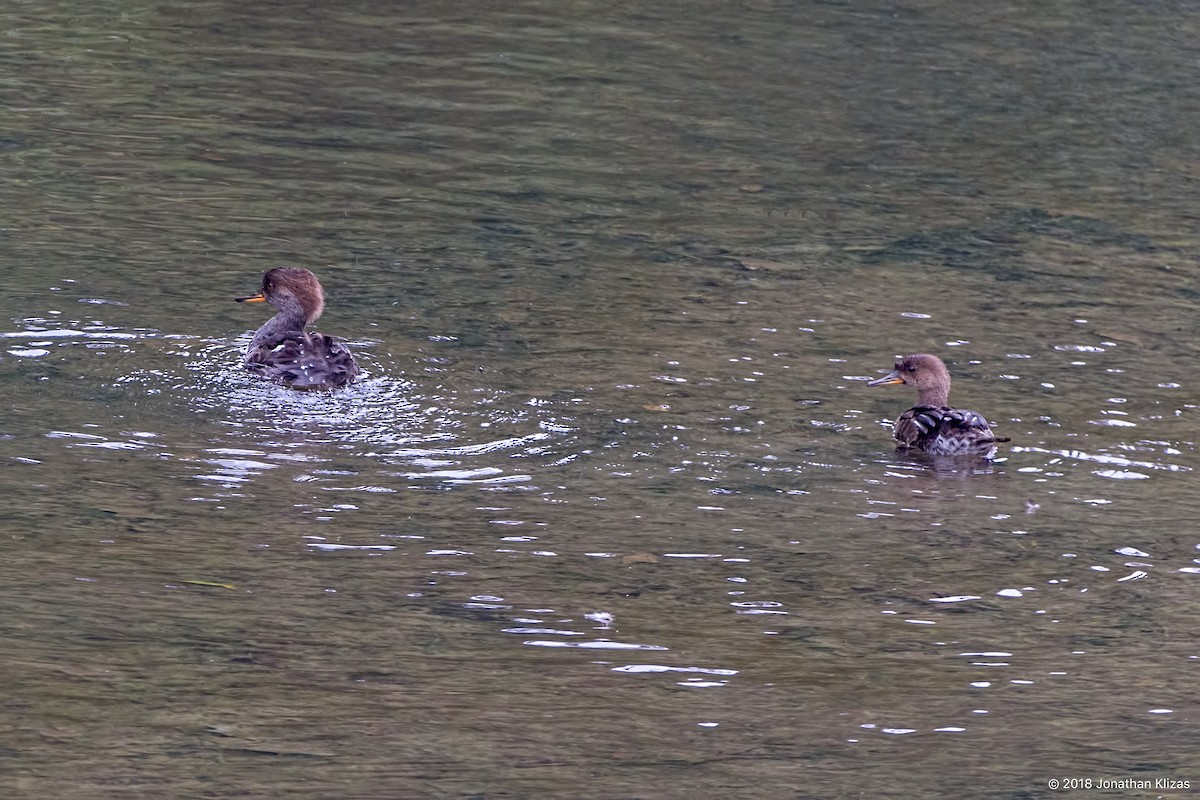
613,513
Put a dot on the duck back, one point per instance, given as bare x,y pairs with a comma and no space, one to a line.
941,430
304,360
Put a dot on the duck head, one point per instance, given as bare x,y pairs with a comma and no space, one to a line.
923,371
293,291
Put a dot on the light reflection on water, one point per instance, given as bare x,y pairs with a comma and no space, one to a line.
440,435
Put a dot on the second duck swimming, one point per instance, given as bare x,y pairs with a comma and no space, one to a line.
932,426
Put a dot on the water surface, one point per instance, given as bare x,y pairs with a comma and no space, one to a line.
613,513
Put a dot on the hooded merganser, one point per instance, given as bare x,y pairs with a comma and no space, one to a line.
932,425
282,349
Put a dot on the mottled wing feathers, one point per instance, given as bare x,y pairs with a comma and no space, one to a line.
945,431
305,361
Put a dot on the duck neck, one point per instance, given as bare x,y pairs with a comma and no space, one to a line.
935,396
288,319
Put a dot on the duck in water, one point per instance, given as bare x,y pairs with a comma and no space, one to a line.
282,349
932,426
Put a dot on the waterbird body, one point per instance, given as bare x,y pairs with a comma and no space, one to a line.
932,425
282,349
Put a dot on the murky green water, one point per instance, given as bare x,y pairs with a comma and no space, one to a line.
613,514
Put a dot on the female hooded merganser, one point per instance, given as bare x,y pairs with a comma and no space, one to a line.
932,425
282,350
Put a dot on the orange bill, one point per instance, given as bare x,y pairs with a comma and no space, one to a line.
887,380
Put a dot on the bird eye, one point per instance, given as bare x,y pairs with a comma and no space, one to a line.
910,369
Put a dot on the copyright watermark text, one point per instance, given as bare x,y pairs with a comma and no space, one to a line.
1118,783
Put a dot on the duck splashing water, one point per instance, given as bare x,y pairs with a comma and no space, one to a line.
282,350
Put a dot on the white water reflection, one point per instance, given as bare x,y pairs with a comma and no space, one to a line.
112,334
1104,458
